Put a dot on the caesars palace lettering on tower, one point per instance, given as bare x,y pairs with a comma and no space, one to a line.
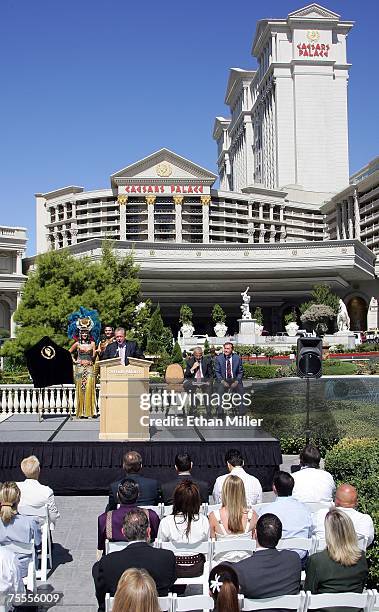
285,214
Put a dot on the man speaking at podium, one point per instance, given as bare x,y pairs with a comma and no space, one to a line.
122,348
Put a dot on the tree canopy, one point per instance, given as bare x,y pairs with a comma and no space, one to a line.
322,294
61,283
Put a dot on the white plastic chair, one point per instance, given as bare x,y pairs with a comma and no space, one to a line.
192,602
179,548
348,600
213,507
21,548
375,601
308,544
111,547
165,603
231,544
159,509
316,506
289,602
362,543
46,556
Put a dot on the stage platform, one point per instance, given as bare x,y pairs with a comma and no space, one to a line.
74,461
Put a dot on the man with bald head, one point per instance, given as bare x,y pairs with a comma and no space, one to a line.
346,500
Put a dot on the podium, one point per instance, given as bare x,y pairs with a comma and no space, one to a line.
121,388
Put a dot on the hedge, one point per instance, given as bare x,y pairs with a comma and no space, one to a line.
260,371
357,462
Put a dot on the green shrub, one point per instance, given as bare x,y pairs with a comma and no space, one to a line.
247,349
176,355
357,462
260,371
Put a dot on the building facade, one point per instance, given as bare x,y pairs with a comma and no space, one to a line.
283,191
12,250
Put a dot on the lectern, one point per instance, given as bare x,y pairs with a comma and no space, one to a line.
121,387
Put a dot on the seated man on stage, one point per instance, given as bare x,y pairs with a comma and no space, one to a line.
229,373
122,348
198,374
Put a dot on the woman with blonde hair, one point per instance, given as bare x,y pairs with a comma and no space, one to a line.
342,566
136,591
233,519
13,526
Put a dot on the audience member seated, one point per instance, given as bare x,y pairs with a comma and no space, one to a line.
10,573
233,520
346,501
183,467
138,554
33,493
13,526
185,524
295,517
136,591
224,588
312,484
341,567
148,487
109,524
253,489
269,572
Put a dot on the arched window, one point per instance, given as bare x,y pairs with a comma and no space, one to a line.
357,309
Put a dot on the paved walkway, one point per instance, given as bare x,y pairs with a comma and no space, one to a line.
75,549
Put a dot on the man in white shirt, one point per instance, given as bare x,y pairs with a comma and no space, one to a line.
295,517
346,501
33,493
311,483
10,573
235,462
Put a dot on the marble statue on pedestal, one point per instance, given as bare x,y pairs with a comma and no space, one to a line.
343,319
245,307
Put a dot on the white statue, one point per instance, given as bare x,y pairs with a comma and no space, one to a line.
246,314
343,319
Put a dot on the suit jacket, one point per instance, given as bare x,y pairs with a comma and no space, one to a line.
158,562
167,488
206,366
148,491
132,350
220,367
36,495
269,572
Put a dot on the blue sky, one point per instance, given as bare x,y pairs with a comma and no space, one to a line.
89,86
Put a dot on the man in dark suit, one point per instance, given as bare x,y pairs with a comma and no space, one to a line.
269,572
229,373
183,466
148,487
198,376
122,348
139,554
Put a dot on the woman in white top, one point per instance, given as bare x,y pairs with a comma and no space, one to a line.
233,520
15,528
185,525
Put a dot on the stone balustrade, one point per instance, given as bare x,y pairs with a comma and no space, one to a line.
25,399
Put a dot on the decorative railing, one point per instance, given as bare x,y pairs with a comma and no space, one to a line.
25,399
55,400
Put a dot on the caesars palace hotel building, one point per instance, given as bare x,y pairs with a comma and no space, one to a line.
285,215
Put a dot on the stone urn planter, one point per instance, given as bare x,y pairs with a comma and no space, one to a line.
292,328
220,329
187,330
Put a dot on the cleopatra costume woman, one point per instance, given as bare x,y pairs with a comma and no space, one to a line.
85,348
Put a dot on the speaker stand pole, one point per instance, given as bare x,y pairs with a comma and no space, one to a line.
307,399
